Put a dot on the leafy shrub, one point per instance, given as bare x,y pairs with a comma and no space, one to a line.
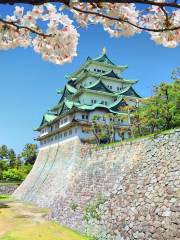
14,174
91,211
73,206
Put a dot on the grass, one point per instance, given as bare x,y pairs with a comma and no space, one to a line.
20,221
5,197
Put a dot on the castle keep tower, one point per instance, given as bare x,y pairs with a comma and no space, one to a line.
96,88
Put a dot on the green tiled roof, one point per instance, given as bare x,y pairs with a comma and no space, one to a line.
108,75
98,85
70,88
129,91
47,118
103,59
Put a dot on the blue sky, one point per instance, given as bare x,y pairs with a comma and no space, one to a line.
28,84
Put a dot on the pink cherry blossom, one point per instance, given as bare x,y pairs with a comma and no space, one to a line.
57,40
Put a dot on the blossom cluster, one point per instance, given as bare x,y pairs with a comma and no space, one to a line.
52,34
154,19
125,12
57,44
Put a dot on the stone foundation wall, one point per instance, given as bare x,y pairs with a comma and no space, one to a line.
128,191
7,189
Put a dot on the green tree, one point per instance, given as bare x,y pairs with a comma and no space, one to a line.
11,158
169,97
3,152
104,127
161,111
29,153
3,166
18,162
14,174
176,74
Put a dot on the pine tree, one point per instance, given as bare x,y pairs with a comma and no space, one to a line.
18,162
29,153
12,158
3,152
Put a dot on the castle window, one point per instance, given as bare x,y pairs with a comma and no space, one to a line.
103,71
118,88
60,135
70,132
93,101
65,120
85,117
84,131
105,102
98,70
65,134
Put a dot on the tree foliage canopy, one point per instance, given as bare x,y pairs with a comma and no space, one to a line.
161,111
29,153
14,168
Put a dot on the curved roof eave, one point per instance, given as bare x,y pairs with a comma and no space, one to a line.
99,81
47,118
123,92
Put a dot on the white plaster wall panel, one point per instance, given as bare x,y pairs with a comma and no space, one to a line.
86,98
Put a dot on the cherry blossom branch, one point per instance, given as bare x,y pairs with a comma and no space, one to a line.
14,24
125,21
166,15
172,4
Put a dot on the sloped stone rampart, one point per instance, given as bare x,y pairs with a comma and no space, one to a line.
127,191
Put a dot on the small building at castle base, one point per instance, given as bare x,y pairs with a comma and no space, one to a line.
97,88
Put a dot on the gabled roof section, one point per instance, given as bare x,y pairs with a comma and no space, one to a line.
70,88
111,74
47,118
118,104
98,86
67,92
67,104
129,91
103,59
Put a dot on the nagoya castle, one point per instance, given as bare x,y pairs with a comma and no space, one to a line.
96,88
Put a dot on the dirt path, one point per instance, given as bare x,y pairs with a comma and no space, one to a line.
20,221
